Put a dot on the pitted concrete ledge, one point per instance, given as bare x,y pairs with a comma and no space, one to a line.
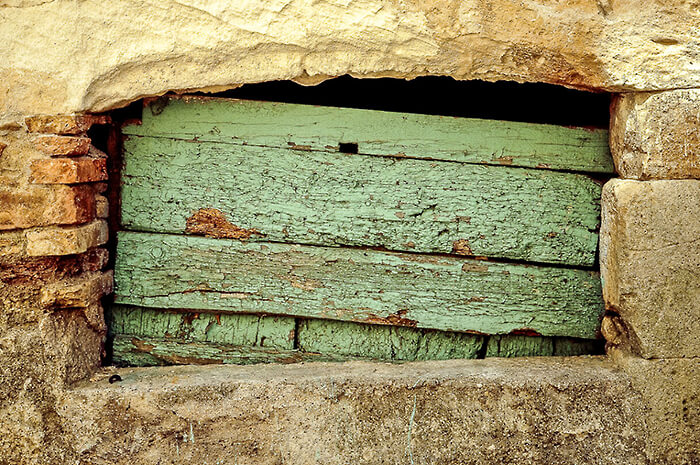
571,410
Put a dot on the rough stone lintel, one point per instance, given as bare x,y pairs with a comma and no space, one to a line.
69,170
656,135
540,410
66,240
650,266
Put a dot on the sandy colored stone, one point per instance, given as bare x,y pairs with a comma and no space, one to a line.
36,363
63,124
66,240
124,50
101,206
68,170
545,411
650,264
656,135
81,292
63,145
37,205
671,392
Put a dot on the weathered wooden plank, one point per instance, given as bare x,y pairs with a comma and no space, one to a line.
389,343
438,292
519,346
149,351
273,332
339,199
465,140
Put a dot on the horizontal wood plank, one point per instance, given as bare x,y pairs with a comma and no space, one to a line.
332,199
149,351
273,332
311,127
369,286
391,343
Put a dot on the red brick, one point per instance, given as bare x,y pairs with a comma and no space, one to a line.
63,145
43,205
64,124
68,170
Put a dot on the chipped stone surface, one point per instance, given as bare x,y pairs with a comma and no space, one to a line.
81,292
650,264
546,411
671,392
63,124
656,135
63,145
66,240
124,50
42,205
69,170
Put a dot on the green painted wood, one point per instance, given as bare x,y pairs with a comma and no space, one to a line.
130,350
274,332
519,346
465,140
370,286
389,343
340,199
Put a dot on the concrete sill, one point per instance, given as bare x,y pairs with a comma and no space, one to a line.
531,410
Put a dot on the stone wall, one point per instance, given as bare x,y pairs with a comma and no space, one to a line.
641,404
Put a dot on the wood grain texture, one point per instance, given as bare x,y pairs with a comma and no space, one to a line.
437,292
273,332
467,140
149,351
354,200
389,343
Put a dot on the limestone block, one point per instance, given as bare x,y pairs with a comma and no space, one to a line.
63,145
81,292
671,391
538,410
135,50
66,240
68,170
650,265
63,124
656,135
26,206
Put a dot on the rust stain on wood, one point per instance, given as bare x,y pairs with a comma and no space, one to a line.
394,319
524,332
461,247
210,222
504,160
475,267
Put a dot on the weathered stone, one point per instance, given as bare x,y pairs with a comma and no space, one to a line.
101,206
36,363
544,411
650,264
623,46
81,292
63,145
63,124
66,240
656,135
68,170
671,392
37,205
